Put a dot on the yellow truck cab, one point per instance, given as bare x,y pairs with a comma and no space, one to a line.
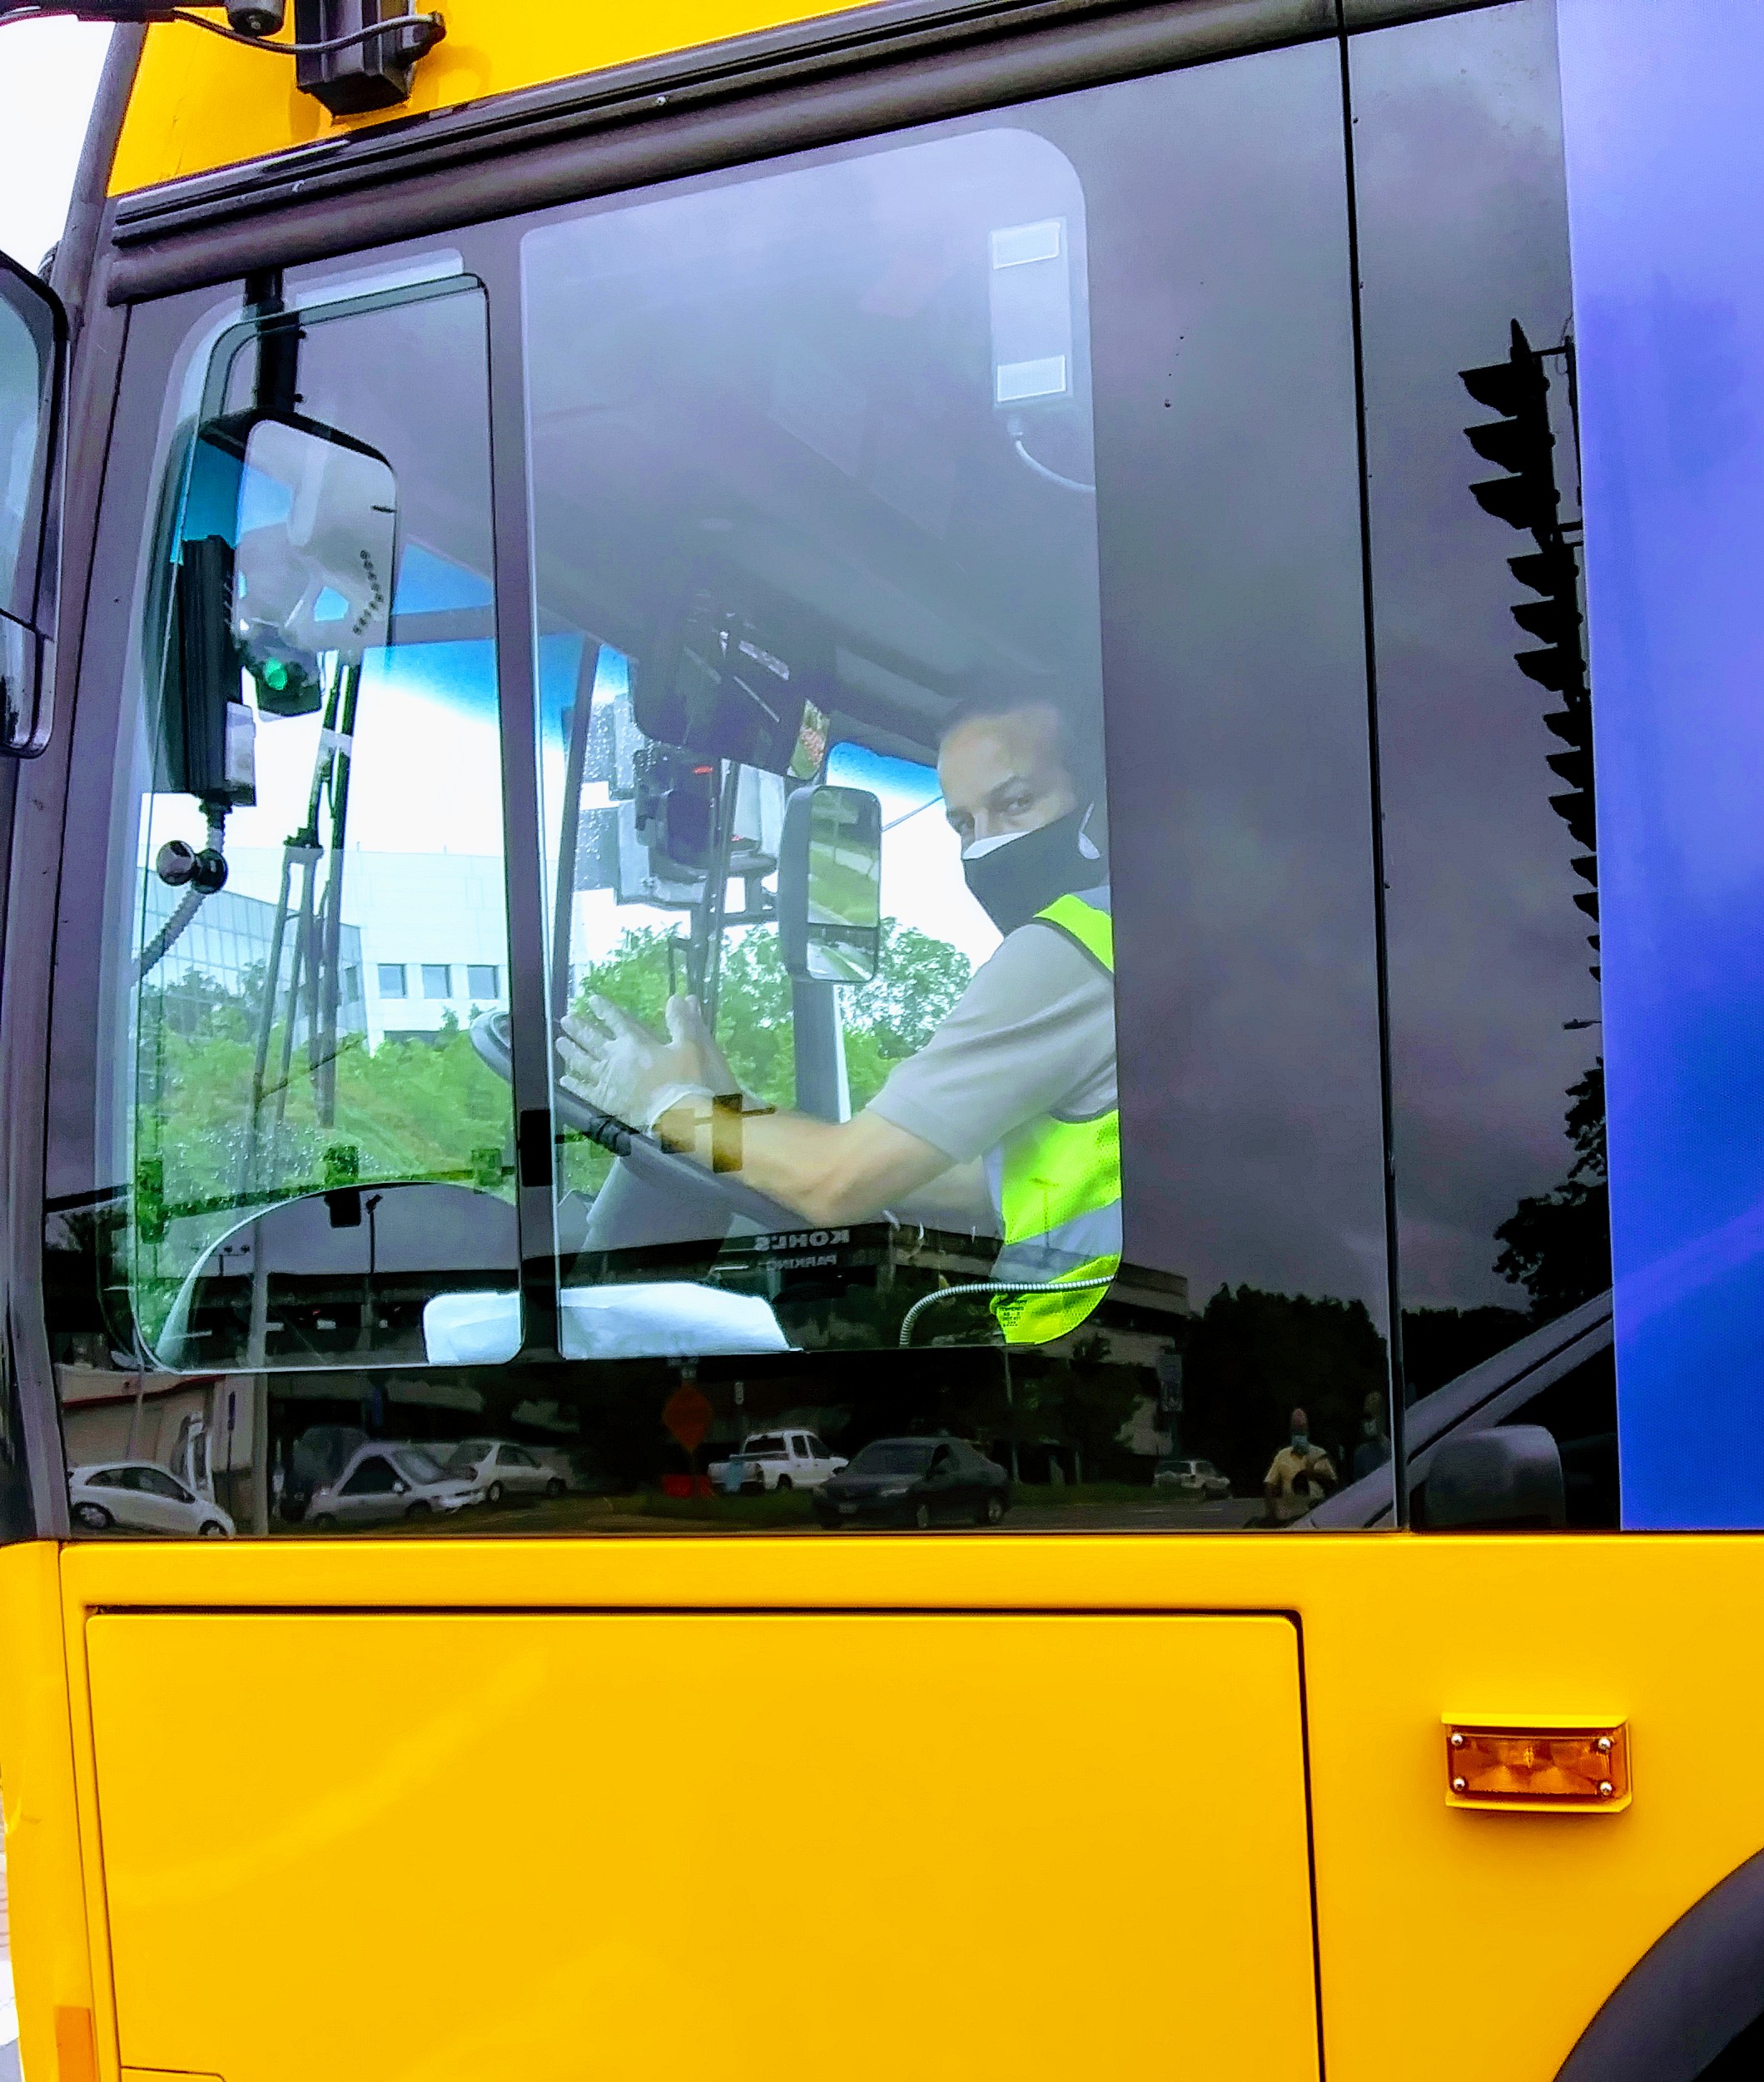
781,801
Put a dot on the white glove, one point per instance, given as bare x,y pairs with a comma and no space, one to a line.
616,1063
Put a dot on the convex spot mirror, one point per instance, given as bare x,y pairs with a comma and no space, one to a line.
33,354
286,555
829,885
313,572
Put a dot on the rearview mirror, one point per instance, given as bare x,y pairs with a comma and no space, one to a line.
33,354
829,885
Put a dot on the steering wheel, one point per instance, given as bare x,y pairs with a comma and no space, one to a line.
650,1164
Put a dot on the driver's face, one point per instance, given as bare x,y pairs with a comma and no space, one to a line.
1004,774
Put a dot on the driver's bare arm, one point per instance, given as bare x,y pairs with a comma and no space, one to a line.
829,1171
957,1199
835,1171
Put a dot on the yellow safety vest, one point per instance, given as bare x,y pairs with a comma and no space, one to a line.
1057,1183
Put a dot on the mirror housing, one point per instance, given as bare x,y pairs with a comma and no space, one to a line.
829,885
1506,1479
285,551
33,370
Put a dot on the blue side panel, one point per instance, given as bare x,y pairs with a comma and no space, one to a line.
1664,104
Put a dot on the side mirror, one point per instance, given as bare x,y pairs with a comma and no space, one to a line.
33,367
829,885
1506,1479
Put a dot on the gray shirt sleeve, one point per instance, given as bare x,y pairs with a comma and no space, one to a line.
1034,1033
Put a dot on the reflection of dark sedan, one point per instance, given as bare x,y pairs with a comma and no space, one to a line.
921,1481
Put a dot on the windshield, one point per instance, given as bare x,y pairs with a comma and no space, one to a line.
892,1456
414,1465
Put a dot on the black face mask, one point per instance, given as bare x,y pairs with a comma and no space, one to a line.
1014,880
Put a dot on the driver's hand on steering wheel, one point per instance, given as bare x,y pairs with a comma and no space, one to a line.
616,1063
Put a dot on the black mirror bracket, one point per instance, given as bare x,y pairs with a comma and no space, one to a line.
352,55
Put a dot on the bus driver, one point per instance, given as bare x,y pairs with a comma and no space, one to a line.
1005,1123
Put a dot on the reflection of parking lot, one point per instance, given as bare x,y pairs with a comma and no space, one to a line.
1102,1508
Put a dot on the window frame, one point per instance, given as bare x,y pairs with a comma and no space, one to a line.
159,258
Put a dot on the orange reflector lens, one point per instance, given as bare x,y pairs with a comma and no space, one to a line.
1537,1767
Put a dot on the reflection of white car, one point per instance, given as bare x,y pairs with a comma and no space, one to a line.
1192,1479
380,1483
777,1460
498,1468
142,1496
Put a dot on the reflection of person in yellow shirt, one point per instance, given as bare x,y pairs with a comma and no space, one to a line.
1299,1476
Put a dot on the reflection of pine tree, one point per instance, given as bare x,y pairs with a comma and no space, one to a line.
1558,1244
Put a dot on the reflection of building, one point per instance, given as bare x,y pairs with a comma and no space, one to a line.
424,935
228,942
434,930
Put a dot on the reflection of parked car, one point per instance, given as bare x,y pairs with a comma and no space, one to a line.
382,1483
921,1481
498,1468
777,1460
1194,1479
142,1496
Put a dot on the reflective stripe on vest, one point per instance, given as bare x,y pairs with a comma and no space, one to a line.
1058,1183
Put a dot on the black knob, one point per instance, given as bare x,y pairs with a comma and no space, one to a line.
177,863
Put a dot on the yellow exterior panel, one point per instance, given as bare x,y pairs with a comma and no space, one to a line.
51,1969
200,102
1498,1936
760,1846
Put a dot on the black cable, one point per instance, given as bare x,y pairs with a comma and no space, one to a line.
44,14
315,50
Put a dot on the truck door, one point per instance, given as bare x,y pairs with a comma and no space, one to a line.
456,1845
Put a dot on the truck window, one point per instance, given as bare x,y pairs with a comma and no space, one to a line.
320,1164
954,830
1484,705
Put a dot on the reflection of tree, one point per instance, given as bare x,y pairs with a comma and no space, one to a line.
421,1109
1439,1344
1558,1244
914,992
1252,1357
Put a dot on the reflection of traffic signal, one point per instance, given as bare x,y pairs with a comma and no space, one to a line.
1521,443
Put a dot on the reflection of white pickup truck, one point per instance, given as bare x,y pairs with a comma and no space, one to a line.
776,1460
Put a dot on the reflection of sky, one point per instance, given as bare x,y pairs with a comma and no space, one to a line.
428,584
921,881
425,776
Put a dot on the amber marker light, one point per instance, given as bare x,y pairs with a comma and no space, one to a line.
1537,1770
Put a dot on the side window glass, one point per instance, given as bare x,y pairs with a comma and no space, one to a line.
374,1477
824,761
321,1158
1486,714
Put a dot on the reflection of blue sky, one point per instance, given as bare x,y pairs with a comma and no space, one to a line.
560,672
461,676
903,786
427,584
